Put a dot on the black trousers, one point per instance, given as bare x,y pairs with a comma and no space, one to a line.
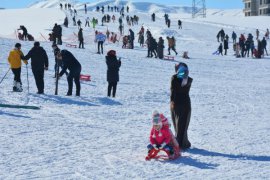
112,85
181,118
17,74
81,44
173,48
100,46
74,75
39,78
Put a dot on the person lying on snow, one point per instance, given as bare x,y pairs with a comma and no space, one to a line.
161,137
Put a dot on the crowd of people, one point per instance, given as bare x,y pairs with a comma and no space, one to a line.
180,103
244,46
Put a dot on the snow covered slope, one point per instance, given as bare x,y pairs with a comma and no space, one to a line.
96,137
37,21
134,6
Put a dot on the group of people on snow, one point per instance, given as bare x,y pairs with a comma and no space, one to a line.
245,46
161,136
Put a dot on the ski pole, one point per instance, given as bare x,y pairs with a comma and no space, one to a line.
27,78
4,76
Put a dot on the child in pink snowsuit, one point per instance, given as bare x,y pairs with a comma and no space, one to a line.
160,136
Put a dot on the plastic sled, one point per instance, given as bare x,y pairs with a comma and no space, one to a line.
71,45
85,77
161,154
169,58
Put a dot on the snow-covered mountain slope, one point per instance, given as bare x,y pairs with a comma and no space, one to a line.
37,21
96,137
134,6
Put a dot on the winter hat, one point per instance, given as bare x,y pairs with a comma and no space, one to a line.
180,64
156,120
111,53
18,45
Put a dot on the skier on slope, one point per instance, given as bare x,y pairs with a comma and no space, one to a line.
161,137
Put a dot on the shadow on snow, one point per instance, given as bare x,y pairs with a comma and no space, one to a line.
204,152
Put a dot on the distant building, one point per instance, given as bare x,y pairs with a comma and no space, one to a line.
257,7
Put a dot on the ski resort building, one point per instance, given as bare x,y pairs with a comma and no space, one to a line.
257,7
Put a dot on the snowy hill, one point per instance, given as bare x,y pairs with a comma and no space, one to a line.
97,137
134,6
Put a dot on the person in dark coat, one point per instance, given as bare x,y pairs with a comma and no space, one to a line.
131,40
180,104
234,36
153,17
264,44
74,67
169,23
113,66
80,38
220,49
25,33
226,46
179,24
39,63
160,48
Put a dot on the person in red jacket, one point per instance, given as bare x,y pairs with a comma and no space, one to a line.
160,136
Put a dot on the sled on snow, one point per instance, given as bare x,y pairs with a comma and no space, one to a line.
19,106
168,58
84,77
161,154
71,45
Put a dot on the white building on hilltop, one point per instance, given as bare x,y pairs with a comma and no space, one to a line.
257,7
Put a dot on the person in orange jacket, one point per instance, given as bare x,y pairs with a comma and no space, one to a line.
14,60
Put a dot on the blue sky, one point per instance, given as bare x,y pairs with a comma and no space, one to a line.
223,4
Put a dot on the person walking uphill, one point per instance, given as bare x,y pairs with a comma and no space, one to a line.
180,104
39,63
171,44
14,60
74,67
80,38
113,66
100,39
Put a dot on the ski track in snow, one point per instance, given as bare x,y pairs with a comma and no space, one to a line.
96,137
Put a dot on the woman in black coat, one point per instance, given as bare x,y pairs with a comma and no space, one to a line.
160,48
113,66
180,104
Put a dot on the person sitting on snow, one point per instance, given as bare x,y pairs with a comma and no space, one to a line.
160,136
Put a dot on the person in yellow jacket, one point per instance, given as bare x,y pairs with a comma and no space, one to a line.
14,60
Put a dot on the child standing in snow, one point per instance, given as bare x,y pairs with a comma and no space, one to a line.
220,49
161,136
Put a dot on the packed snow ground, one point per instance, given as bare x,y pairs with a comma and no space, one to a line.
96,137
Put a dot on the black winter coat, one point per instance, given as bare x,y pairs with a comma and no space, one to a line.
39,58
179,94
113,66
226,44
69,62
80,35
